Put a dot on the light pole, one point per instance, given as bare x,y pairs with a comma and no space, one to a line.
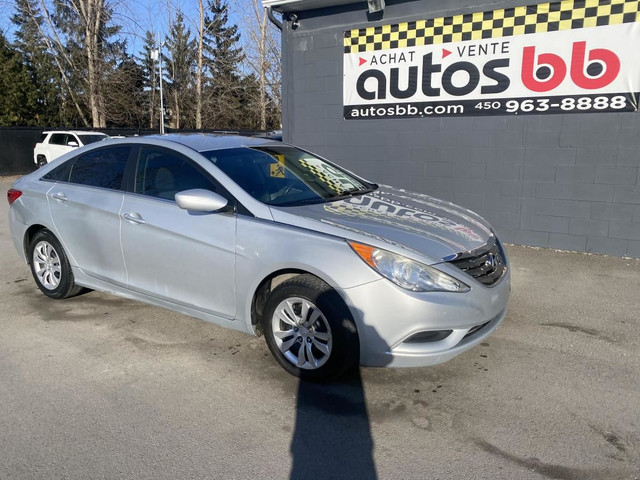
157,55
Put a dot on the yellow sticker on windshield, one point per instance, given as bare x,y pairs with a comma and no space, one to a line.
276,170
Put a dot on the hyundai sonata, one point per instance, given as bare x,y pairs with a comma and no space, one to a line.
269,239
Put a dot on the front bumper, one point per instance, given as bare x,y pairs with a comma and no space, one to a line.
388,316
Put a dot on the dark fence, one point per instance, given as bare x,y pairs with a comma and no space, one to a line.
17,143
16,150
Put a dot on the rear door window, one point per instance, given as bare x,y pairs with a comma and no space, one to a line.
102,168
58,139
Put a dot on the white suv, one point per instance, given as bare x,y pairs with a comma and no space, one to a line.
55,143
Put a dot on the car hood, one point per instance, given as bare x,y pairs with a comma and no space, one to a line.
434,228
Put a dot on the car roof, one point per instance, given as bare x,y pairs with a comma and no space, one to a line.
202,142
76,132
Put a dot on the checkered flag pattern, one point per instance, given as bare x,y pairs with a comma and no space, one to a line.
545,17
332,182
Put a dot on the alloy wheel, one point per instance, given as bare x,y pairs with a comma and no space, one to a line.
302,333
46,265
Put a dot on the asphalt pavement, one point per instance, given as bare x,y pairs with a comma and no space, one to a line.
99,387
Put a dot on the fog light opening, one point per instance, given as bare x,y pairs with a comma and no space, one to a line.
429,337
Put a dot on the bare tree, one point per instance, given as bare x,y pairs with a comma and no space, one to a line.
124,87
61,57
199,71
77,34
180,60
263,58
91,14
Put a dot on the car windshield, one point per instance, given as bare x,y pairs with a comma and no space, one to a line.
286,176
87,139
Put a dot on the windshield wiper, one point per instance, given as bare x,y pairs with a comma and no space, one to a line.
355,191
299,203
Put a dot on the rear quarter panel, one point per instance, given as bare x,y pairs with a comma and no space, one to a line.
30,209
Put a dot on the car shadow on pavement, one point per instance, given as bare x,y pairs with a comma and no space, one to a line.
332,437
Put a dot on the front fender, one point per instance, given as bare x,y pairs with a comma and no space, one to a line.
265,247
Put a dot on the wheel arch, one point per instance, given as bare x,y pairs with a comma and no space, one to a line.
293,348
264,288
28,236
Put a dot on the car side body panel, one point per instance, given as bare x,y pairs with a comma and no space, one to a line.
94,284
201,273
86,220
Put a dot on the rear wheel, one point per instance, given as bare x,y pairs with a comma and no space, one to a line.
42,161
50,266
309,329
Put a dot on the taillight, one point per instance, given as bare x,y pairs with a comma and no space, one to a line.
13,195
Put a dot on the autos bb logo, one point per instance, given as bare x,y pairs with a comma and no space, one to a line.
547,58
540,72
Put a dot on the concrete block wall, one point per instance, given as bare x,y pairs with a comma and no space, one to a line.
559,181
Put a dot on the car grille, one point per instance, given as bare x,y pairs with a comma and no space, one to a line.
486,264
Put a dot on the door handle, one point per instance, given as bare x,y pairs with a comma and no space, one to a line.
60,196
134,217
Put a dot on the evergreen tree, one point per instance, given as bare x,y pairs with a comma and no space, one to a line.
149,70
16,100
248,115
247,111
222,46
223,60
124,89
44,78
180,64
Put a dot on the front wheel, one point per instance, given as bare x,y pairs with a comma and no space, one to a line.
309,329
50,266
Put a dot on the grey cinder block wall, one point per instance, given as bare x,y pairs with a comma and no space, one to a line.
560,181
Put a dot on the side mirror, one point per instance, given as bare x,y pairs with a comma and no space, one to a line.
72,144
200,200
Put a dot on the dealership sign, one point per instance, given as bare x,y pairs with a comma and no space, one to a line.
566,57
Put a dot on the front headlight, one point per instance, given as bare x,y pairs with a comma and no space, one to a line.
407,273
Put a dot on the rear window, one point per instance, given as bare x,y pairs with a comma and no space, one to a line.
58,139
58,174
87,139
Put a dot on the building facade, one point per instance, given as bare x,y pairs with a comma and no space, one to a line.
540,172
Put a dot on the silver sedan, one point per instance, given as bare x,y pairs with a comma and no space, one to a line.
265,238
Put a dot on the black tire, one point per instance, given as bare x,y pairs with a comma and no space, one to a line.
335,320
51,271
42,161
